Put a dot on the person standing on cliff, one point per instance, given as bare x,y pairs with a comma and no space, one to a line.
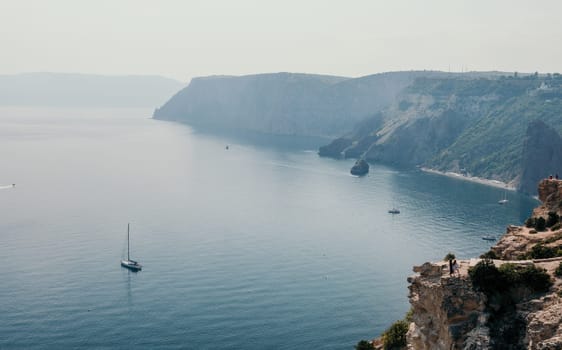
456,268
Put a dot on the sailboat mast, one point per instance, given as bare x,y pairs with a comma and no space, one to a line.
128,258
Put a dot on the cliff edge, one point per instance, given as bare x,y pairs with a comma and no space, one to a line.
509,298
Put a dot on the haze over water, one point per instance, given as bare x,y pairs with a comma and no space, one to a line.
264,245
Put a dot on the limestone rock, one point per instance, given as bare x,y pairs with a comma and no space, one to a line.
447,312
550,194
544,326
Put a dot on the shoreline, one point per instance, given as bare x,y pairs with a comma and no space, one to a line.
475,179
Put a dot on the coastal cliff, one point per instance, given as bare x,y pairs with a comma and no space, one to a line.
509,298
287,103
485,127
448,312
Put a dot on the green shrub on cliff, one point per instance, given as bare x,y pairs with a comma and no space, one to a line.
535,277
490,254
485,276
449,256
540,251
552,219
540,224
530,222
526,275
490,280
395,336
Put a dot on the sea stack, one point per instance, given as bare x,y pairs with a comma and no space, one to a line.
360,168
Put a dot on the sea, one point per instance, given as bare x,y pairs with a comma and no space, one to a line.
263,245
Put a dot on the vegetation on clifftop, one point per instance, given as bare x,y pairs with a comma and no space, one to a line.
491,280
505,287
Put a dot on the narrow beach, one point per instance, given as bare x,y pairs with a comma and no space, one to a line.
488,182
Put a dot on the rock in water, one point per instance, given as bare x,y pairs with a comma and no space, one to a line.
360,168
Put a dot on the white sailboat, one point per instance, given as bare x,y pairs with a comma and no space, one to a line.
130,264
504,200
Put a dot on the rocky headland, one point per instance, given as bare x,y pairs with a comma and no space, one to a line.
509,298
284,103
485,125
497,128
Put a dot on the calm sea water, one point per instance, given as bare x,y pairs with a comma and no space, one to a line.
262,246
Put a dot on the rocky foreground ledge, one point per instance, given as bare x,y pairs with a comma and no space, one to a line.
451,312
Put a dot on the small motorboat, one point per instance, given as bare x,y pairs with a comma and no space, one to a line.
394,211
489,238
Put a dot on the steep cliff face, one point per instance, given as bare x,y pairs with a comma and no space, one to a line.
542,155
449,312
283,103
286,103
417,140
550,195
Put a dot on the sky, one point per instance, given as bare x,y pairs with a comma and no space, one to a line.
189,38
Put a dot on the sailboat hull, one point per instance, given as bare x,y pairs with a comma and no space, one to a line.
131,264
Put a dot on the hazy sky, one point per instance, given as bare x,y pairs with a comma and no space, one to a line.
183,39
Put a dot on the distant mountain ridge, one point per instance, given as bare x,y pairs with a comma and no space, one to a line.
286,103
85,90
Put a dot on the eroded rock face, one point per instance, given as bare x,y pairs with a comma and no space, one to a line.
544,328
550,194
517,241
447,312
